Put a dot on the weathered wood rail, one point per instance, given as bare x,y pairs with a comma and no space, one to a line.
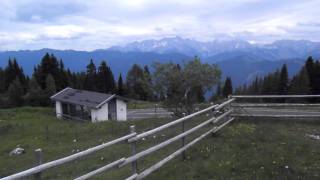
228,114
276,110
132,138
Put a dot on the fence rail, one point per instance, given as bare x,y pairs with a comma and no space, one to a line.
276,110
179,151
133,137
275,96
64,160
274,105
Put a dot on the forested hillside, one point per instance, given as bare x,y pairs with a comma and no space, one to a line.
306,81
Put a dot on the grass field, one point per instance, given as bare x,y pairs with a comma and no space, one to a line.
243,150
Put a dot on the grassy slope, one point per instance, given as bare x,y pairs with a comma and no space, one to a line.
243,150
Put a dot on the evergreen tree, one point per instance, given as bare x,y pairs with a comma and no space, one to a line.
15,93
300,83
48,65
2,81
137,84
35,95
14,71
227,88
50,85
111,81
103,77
91,77
311,72
63,77
120,90
316,78
283,80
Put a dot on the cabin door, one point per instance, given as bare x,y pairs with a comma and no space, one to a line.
112,110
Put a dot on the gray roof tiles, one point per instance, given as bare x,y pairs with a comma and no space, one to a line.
82,97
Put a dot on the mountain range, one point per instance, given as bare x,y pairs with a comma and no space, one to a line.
239,59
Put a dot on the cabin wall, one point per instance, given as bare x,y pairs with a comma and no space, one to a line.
59,109
121,110
100,114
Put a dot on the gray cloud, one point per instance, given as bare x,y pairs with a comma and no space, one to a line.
88,25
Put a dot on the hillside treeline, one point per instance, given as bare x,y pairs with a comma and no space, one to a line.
306,81
174,84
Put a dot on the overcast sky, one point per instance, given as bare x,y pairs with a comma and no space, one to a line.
97,24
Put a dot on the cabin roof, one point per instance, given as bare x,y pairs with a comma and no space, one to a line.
82,97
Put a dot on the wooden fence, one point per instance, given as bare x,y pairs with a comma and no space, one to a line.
226,111
276,110
132,139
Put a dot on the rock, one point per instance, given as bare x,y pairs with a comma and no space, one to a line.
75,140
313,136
17,151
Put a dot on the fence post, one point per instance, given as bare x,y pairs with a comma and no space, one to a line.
134,164
183,139
38,155
213,115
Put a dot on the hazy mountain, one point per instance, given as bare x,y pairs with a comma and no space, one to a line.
184,46
236,58
217,49
120,62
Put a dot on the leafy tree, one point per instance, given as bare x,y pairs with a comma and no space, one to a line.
227,88
15,93
180,86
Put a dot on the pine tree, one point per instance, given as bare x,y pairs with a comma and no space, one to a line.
15,93
48,65
50,85
63,77
91,77
316,78
35,95
120,90
311,72
283,80
111,81
2,81
227,88
137,84
300,83
103,78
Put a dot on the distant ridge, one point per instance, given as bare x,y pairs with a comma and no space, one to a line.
237,58
282,49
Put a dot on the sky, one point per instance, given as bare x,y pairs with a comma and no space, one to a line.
99,24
